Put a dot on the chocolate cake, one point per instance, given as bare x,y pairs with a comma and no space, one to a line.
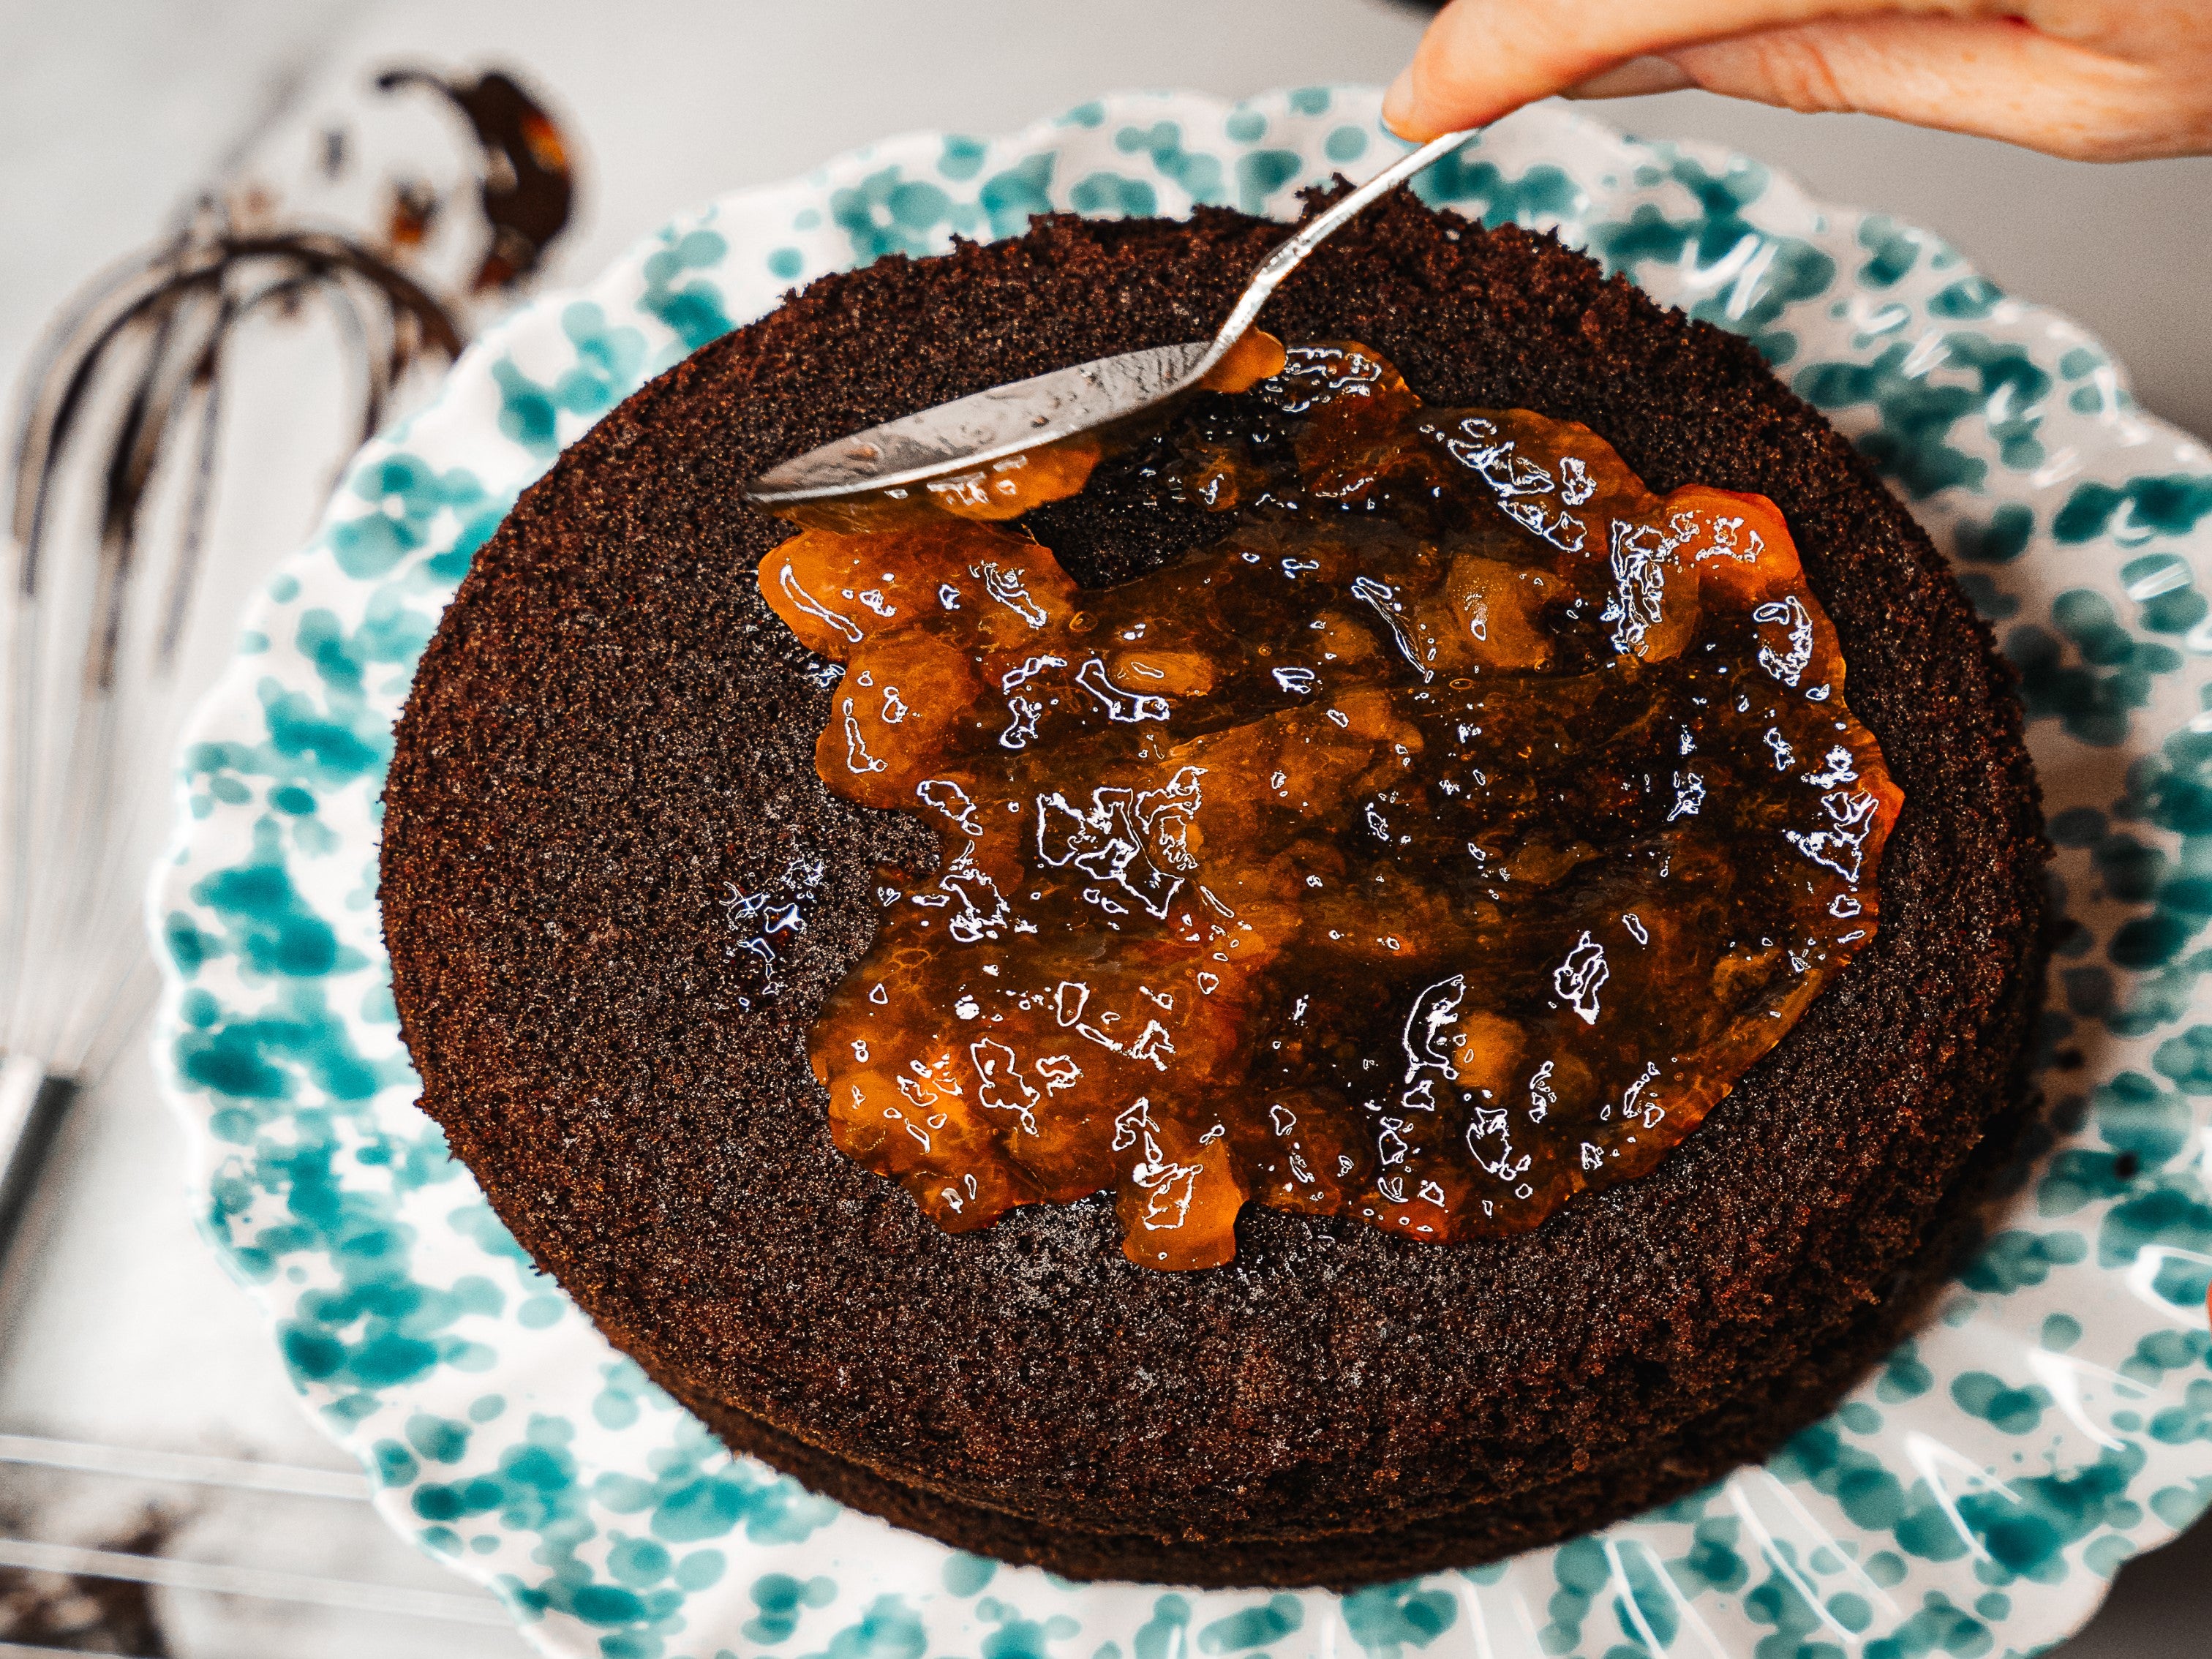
609,759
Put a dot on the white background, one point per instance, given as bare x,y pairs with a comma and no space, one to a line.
115,1324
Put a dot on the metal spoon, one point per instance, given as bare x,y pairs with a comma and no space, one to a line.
988,426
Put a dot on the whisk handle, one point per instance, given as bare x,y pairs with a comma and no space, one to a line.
33,1103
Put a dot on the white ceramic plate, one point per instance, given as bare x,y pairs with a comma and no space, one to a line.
1973,1497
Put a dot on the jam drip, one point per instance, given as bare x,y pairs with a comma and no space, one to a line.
1441,841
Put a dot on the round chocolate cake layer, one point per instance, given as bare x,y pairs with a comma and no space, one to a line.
610,735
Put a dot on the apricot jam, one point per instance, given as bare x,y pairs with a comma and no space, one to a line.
1440,841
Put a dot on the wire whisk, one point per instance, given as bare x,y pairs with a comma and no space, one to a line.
117,441
115,462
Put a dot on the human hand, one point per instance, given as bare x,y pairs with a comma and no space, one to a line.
2095,80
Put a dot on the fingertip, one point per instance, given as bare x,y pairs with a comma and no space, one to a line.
1481,59
1402,109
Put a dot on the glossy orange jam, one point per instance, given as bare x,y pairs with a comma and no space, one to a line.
1441,841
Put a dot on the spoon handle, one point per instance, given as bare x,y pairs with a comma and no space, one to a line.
1292,254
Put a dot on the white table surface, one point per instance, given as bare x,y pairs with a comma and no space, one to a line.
115,1324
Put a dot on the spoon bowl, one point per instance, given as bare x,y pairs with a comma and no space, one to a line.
984,426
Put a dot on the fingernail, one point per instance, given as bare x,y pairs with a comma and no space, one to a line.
1398,102
1639,77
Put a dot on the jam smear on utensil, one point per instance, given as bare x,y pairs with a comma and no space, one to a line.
1441,841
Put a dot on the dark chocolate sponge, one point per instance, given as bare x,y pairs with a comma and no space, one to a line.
610,729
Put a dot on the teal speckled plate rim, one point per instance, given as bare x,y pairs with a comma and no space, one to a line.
1973,1497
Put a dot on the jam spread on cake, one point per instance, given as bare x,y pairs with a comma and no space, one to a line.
1443,840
